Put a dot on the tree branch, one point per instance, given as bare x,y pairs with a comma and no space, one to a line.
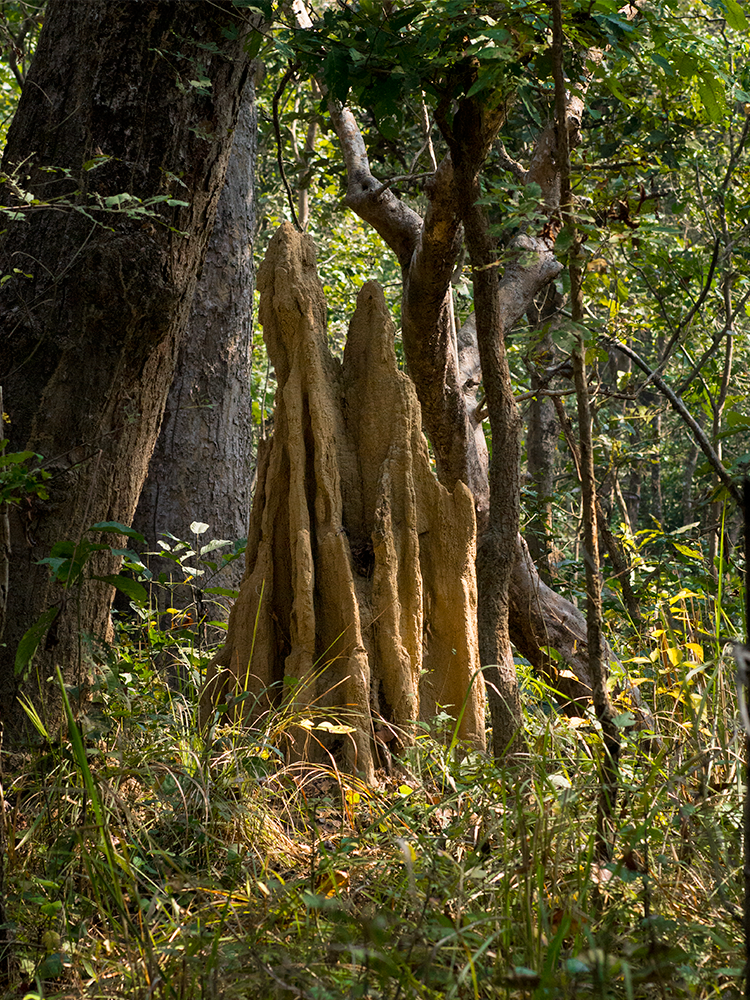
679,407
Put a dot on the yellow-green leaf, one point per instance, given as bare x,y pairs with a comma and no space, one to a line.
735,15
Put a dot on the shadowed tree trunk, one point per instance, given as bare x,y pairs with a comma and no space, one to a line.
91,328
542,432
201,469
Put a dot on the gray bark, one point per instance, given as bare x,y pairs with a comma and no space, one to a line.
542,431
201,469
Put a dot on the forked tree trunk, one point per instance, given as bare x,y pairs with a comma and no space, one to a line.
91,320
359,598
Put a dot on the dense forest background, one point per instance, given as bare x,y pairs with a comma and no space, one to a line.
555,200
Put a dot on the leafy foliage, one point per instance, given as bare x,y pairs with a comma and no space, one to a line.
143,852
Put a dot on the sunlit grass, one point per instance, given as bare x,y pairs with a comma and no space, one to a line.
212,867
152,859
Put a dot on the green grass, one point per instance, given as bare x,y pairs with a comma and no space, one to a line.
145,859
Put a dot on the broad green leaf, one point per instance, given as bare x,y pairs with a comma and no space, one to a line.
217,543
685,550
16,457
128,586
31,639
222,592
130,557
712,96
624,720
118,528
736,17
553,654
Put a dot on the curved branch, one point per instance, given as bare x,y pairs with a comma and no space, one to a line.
679,407
279,145
394,221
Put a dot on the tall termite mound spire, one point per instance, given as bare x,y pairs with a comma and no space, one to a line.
359,592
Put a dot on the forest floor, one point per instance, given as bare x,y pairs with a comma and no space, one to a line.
147,860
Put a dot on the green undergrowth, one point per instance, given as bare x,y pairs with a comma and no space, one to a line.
147,860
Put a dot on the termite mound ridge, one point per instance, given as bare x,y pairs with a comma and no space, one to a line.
359,593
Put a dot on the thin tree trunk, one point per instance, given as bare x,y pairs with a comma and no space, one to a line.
687,504
594,617
496,550
541,438
4,542
594,614
614,548
656,504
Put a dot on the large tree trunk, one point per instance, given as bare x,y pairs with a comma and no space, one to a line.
201,469
359,596
91,328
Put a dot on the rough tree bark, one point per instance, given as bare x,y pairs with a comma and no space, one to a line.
542,431
91,328
470,136
359,591
201,469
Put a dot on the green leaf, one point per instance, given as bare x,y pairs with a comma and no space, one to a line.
625,720
712,96
97,161
118,528
51,967
31,639
115,201
67,559
16,457
481,83
685,550
128,586
553,653
735,15
130,555
217,543
686,65
253,44
400,20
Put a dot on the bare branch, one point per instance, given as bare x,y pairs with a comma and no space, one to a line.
398,224
679,407
511,165
684,323
277,131
399,178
